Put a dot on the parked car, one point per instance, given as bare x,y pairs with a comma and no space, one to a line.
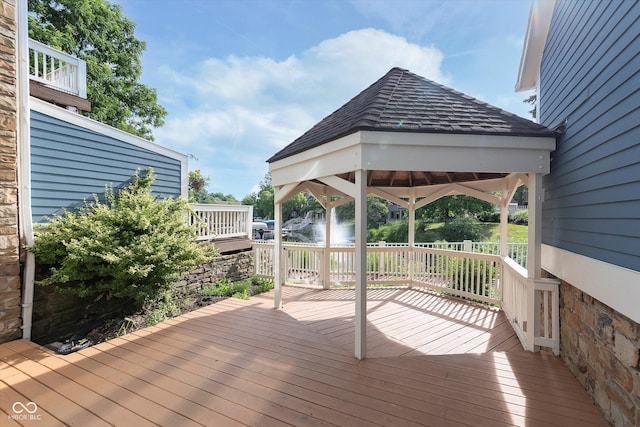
259,230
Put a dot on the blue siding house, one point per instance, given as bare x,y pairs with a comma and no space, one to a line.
73,157
583,58
64,158
593,193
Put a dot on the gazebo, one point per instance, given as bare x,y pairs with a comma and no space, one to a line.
411,141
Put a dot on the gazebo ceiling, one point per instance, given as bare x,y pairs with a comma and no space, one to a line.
380,178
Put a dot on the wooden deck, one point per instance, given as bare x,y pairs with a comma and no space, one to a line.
243,363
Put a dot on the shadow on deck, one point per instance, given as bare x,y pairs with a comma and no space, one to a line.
242,363
403,322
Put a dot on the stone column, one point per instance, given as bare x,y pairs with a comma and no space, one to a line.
10,292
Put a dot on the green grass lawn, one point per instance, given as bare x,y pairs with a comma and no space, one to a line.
515,233
397,232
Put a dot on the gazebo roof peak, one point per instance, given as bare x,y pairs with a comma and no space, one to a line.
401,101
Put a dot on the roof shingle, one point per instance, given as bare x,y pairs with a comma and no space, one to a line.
401,101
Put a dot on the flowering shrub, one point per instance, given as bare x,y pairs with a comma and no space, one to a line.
133,245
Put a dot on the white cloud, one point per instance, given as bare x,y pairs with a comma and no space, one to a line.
241,79
417,18
360,57
241,110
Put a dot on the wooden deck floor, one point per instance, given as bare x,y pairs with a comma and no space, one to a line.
243,363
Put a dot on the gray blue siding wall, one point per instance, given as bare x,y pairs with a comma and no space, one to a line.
70,163
590,82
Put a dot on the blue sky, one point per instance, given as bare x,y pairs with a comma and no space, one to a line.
241,79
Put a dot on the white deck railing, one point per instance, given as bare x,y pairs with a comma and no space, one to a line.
213,221
515,251
451,268
470,275
532,307
57,69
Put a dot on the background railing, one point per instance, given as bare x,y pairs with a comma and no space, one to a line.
221,221
472,275
469,275
57,69
471,270
515,251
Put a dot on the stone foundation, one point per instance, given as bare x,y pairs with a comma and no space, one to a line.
602,349
10,289
56,317
234,267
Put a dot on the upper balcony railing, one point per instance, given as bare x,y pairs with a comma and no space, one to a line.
57,69
218,221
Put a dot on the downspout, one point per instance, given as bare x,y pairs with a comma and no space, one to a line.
24,165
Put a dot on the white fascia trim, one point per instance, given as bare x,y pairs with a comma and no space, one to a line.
319,151
95,126
184,178
615,286
382,139
406,151
535,39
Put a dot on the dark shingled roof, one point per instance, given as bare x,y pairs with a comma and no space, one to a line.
405,102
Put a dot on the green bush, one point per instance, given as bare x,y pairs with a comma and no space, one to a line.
260,285
243,289
224,288
520,217
464,228
133,245
166,305
393,232
489,216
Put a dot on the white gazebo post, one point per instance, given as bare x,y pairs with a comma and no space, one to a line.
326,276
534,267
504,217
278,262
535,226
361,264
412,233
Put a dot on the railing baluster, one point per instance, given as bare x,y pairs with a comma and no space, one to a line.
57,69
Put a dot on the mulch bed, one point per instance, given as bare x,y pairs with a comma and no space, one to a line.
117,327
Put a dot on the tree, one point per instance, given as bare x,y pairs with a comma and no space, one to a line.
448,207
521,195
377,211
263,204
250,200
263,200
197,184
296,205
198,190
532,101
97,32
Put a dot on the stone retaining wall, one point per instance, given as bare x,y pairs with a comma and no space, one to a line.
601,347
56,317
10,289
234,267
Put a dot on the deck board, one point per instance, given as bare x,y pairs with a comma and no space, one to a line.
243,363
